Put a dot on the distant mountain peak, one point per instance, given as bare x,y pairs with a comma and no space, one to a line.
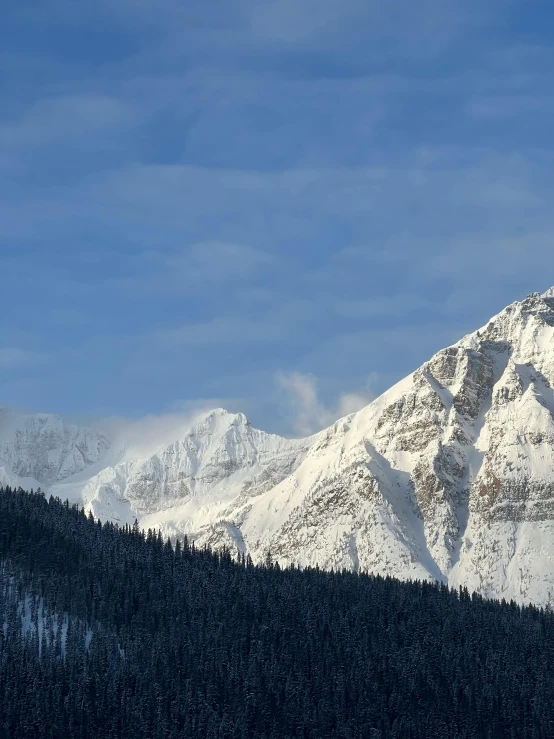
44,447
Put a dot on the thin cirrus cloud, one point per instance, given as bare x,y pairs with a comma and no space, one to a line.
222,331
209,262
391,305
196,271
501,106
12,357
328,24
70,116
404,199
194,195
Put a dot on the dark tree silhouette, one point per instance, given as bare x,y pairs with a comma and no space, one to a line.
110,632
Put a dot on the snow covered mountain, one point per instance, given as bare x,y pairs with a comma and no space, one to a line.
221,459
449,475
43,449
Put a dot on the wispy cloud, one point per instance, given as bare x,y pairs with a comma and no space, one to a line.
65,117
306,413
326,24
385,306
12,357
197,269
222,331
502,106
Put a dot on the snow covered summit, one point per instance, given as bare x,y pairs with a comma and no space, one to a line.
449,475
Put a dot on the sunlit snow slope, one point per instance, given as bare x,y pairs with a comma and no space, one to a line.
449,475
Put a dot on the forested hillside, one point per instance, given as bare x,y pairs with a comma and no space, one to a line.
115,633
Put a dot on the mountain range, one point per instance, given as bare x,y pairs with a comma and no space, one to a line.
447,476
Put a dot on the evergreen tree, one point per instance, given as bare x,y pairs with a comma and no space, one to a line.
110,632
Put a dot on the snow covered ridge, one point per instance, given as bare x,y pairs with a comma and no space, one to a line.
448,475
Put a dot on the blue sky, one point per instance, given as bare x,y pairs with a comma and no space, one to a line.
279,207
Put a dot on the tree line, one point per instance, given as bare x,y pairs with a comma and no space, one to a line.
115,633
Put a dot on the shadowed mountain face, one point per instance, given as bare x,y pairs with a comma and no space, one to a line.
44,448
449,475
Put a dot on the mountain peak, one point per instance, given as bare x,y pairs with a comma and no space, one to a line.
219,418
43,447
448,475
227,415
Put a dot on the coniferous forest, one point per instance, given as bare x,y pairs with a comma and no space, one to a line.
112,632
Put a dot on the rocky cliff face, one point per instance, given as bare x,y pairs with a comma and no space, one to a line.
449,475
